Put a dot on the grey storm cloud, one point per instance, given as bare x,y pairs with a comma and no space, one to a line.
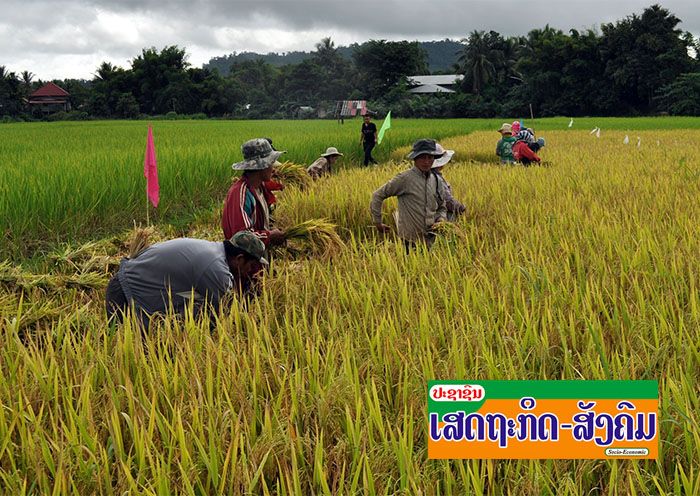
45,31
407,18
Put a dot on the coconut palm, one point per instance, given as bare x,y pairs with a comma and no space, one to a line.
27,83
326,51
104,71
480,59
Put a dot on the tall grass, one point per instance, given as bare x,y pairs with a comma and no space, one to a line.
586,269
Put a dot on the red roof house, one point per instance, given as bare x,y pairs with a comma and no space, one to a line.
51,97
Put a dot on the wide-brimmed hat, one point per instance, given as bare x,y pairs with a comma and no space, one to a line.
424,146
251,244
446,157
331,150
258,154
515,127
505,128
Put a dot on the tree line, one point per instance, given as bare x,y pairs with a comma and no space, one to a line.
641,65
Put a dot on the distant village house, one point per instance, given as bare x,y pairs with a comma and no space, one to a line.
50,98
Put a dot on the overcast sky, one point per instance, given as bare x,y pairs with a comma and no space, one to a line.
70,38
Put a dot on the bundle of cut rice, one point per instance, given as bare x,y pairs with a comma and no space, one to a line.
319,234
139,240
291,174
448,230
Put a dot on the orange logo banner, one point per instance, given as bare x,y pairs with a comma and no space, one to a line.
542,419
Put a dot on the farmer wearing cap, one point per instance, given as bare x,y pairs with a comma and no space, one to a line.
420,193
454,208
246,207
182,272
504,148
322,165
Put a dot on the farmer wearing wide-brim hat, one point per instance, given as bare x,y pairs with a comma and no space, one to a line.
322,165
246,208
420,194
453,206
504,147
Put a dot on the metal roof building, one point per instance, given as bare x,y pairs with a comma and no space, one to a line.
441,83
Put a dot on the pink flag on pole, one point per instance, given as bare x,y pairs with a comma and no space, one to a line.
150,170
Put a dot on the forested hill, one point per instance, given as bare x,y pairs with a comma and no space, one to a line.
441,56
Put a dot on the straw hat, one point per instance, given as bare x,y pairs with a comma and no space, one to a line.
505,128
331,150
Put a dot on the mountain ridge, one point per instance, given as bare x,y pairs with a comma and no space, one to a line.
441,55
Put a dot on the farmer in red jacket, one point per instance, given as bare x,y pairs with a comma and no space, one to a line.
246,207
523,149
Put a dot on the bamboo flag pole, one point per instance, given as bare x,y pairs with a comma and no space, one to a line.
532,118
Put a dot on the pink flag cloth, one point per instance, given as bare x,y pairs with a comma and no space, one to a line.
150,170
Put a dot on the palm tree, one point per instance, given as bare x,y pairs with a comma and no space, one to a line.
480,61
104,71
325,50
27,83
327,56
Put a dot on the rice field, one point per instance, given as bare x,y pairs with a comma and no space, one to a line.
84,180
584,268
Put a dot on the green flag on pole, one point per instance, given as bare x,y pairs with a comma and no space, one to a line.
385,126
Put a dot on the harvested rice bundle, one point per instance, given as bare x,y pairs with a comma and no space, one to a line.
319,234
448,230
291,174
139,240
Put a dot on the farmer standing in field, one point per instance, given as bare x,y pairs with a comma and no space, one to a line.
421,197
322,165
246,207
368,140
182,272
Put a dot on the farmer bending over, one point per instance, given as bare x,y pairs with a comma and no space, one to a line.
420,193
181,272
523,150
322,165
